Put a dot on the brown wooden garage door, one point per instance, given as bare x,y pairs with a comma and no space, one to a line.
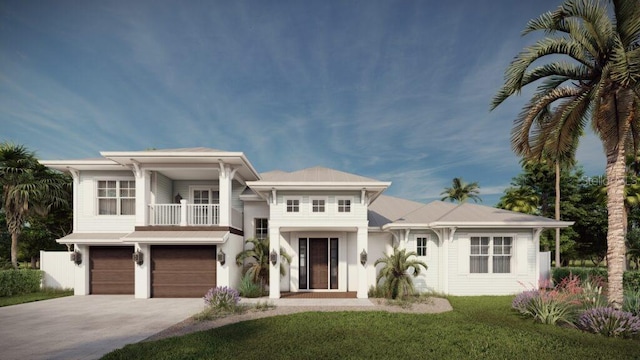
111,270
182,271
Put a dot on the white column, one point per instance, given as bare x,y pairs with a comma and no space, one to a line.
142,196
225,178
274,270
75,174
183,212
81,271
362,242
142,273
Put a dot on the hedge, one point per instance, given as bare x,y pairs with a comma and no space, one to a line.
630,279
14,282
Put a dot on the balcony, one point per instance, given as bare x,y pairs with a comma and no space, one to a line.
184,214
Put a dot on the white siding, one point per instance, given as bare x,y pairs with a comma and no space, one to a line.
182,187
164,190
87,212
427,280
523,266
58,269
379,245
253,210
331,215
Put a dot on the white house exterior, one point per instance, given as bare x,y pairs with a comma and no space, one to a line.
184,214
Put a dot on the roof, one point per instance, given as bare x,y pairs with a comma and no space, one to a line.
390,212
314,174
92,237
182,237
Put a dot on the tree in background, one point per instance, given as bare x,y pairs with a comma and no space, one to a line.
599,82
461,191
27,188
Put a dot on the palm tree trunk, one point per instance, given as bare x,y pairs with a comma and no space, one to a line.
557,213
14,249
616,171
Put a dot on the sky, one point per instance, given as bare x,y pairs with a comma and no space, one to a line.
392,90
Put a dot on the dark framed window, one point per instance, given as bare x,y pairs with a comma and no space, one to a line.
261,228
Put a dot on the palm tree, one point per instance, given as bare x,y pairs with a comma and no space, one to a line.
397,281
461,191
27,186
258,266
600,82
522,199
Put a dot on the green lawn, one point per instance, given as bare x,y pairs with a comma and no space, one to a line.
478,328
36,296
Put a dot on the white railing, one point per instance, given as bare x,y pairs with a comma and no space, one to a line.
203,214
184,214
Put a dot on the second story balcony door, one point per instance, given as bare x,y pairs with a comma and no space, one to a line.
201,211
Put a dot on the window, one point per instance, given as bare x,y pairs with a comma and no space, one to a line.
262,228
116,197
489,252
317,205
293,205
421,245
344,205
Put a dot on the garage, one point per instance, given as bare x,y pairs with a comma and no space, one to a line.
111,270
182,270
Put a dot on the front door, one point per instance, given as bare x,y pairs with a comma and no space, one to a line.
320,271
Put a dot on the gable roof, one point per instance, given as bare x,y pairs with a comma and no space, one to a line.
389,212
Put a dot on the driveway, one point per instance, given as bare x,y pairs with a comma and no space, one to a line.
86,327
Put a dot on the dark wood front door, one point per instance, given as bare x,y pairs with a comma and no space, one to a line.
318,264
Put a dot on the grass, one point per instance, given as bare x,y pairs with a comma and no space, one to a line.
479,327
45,294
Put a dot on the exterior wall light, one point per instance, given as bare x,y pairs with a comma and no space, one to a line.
222,257
363,257
138,257
76,257
273,257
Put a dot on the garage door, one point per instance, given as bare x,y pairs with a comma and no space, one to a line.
111,270
182,271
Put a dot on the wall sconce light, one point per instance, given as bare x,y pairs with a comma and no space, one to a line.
363,257
76,257
138,257
177,198
273,257
222,257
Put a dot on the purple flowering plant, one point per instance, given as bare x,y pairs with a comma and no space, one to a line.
609,322
221,297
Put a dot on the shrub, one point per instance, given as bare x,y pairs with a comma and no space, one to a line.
548,308
248,288
631,280
222,298
376,292
632,301
609,322
14,282
521,301
591,295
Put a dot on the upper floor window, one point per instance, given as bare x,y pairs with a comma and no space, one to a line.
293,205
344,205
491,254
318,205
116,197
421,245
261,228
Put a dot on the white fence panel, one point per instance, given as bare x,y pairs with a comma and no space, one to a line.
58,269
545,268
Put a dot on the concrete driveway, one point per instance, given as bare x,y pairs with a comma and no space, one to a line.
86,327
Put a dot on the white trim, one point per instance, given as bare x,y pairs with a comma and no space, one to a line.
210,188
286,206
325,205
117,179
512,270
344,198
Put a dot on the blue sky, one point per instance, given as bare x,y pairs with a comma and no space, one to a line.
394,90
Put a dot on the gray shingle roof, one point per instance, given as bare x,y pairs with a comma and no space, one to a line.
314,174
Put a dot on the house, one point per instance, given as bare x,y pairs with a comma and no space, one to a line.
169,223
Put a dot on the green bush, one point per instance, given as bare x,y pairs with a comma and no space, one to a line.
248,288
14,282
631,279
632,301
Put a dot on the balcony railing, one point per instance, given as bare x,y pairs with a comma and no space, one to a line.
184,214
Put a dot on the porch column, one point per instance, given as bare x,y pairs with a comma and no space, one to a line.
142,273
362,242
274,270
224,179
143,188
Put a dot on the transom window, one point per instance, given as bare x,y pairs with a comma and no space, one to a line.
491,253
421,245
116,197
293,205
262,228
318,205
344,205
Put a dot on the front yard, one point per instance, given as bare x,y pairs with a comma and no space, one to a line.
479,327
44,294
